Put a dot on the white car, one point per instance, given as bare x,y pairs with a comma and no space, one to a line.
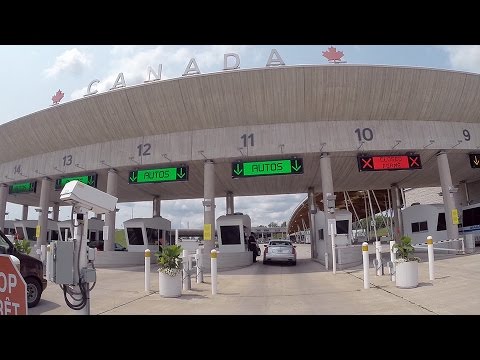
281,251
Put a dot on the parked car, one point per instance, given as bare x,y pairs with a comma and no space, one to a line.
280,251
30,268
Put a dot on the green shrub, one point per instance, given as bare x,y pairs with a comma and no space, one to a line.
405,249
23,246
169,259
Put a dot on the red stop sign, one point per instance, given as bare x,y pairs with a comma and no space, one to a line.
13,289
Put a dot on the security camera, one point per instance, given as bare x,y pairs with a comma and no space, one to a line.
79,194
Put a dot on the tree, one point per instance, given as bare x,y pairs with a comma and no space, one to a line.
273,224
284,224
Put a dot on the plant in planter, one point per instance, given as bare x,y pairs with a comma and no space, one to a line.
170,271
23,246
406,265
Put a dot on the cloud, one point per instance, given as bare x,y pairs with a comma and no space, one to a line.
189,213
464,57
71,61
133,62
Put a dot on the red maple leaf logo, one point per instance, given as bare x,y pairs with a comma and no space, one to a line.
332,54
57,97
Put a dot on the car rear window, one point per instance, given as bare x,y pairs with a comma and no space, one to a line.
285,243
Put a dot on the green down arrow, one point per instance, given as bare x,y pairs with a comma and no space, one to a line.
238,171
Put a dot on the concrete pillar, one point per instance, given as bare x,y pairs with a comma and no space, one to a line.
112,189
461,196
447,191
229,203
156,206
327,189
56,211
43,216
313,231
209,204
3,204
397,213
25,212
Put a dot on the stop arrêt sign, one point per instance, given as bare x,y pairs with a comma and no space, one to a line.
13,289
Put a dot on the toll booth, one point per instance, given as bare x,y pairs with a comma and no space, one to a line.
347,254
95,229
9,227
147,233
27,229
422,220
343,229
233,232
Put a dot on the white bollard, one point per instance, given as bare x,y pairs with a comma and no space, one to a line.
43,252
147,270
392,259
213,270
431,270
47,271
463,246
187,285
199,266
334,255
366,283
378,248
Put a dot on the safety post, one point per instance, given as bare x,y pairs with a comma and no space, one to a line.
187,285
147,270
366,283
431,270
43,253
334,257
47,263
213,270
199,266
392,259
463,247
378,248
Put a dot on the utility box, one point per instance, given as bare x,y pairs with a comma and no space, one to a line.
60,262
469,243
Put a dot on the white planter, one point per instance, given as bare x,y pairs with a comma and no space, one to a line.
170,286
406,274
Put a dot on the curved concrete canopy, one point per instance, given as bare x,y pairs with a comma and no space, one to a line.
291,110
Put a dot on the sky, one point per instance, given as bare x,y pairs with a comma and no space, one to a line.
31,75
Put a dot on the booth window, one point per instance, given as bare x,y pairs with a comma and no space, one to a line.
31,233
342,226
93,235
135,236
471,216
20,233
441,222
320,234
152,236
419,226
54,235
230,235
62,230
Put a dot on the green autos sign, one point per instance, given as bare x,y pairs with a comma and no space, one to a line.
25,187
86,179
179,173
266,168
